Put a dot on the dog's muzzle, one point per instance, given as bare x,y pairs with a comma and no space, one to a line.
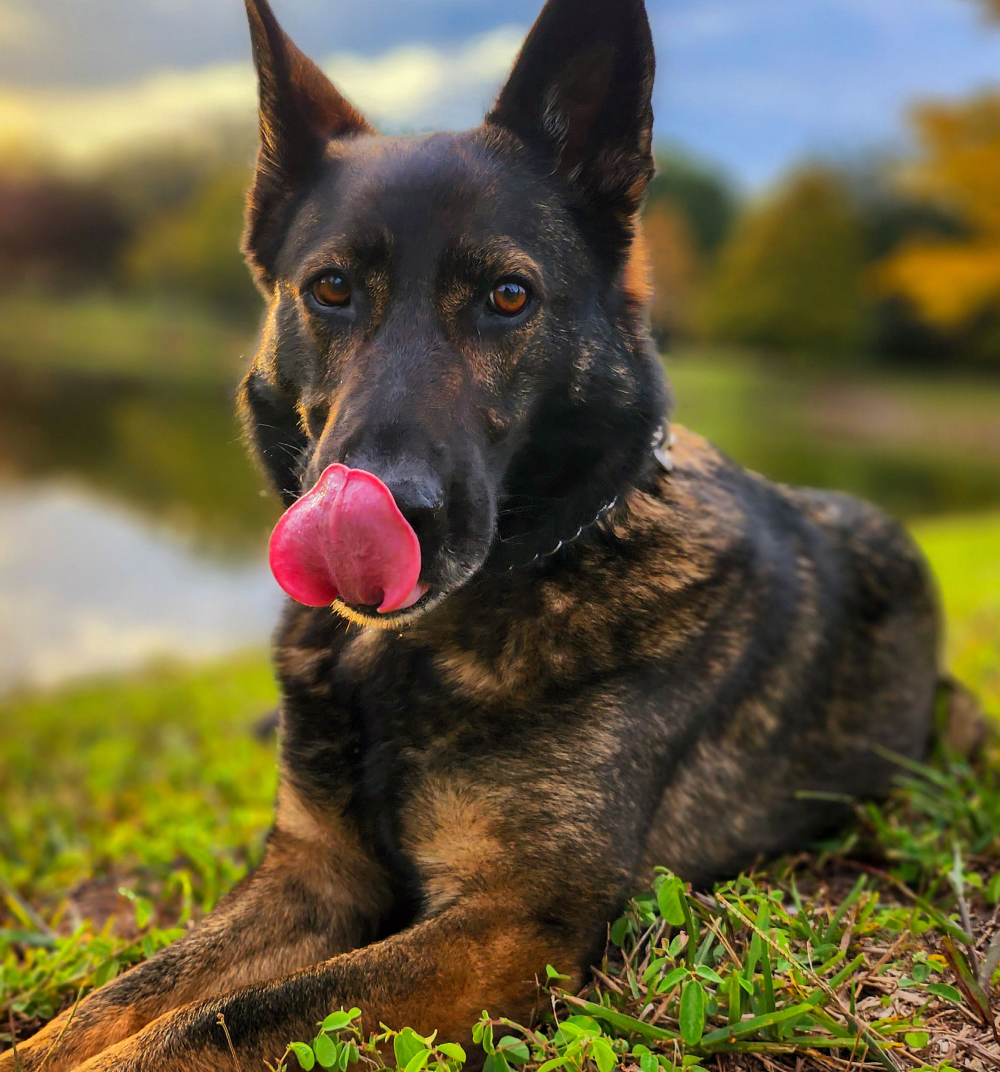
347,540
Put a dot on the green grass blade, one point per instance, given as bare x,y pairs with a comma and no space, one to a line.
848,904
757,1024
625,1023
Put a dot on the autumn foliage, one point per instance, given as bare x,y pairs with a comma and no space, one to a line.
954,282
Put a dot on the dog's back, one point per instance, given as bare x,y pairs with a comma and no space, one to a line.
833,656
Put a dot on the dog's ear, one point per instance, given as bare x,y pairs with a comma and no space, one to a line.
300,112
581,93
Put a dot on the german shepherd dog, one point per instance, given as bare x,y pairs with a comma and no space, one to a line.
623,650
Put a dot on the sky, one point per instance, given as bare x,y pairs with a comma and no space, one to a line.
751,86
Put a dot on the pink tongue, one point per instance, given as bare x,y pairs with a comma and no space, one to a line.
346,539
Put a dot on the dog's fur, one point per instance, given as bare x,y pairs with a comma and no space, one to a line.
473,793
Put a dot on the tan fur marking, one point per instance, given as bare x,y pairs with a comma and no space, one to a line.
638,277
451,835
360,654
296,819
676,542
692,452
302,664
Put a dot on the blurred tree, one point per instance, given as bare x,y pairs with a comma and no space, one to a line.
151,179
677,270
192,250
953,281
792,275
890,217
56,231
698,194
689,213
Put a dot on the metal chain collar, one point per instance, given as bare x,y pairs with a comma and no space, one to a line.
662,447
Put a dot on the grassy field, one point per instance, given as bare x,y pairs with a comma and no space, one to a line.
879,948
916,442
111,336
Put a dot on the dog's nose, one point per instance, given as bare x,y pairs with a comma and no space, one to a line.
422,504
417,489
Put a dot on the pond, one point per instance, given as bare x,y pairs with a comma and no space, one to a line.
90,586
133,527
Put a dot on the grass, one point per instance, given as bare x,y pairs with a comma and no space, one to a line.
915,441
112,336
878,949
156,784
965,553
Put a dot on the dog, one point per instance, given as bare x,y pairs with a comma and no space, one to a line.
621,650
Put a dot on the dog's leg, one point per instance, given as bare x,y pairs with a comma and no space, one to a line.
439,974
316,894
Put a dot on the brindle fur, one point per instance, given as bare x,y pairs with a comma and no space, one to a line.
473,794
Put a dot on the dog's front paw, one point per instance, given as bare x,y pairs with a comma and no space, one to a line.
129,1056
182,1041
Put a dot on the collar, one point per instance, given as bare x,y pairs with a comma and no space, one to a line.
663,446
662,450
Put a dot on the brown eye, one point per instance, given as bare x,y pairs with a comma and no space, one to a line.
509,298
332,290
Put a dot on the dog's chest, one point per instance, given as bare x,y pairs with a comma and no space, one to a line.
404,743
439,784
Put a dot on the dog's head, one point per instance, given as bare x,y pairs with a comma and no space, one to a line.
461,315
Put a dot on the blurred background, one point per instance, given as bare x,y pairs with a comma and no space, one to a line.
825,229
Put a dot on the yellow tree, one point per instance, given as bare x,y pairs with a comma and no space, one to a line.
954,282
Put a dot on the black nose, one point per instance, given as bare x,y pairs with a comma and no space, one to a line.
422,504
418,491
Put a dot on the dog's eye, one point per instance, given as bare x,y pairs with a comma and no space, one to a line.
332,290
509,298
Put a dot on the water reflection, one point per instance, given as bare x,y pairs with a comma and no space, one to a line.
90,587
132,527
170,450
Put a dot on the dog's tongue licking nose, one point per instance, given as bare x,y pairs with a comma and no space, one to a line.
348,540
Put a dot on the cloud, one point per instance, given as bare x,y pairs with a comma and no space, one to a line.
18,26
751,84
109,42
415,85
412,87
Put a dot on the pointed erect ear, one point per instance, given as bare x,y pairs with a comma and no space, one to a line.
581,92
300,111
